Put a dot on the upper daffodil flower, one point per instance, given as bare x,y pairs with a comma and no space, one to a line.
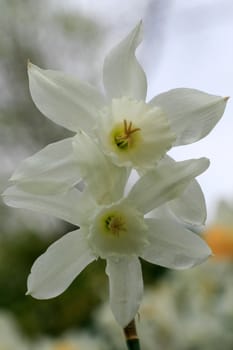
114,226
131,131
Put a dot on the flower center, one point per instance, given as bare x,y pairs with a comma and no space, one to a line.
118,229
124,138
114,224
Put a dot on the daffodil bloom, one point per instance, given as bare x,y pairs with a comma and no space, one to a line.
129,130
114,226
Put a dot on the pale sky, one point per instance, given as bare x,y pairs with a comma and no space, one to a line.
198,53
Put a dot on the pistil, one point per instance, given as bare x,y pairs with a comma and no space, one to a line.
115,225
125,140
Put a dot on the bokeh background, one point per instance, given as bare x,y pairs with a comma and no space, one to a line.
186,44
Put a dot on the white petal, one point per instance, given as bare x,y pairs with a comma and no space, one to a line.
64,206
106,182
122,74
49,171
164,183
55,270
192,113
125,287
64,99
173,246
190,205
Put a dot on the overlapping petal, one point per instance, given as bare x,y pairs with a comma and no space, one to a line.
64,206
125,287
190,205
173,246
55,270
49,171
192,113
64,99
106,181
122,74
164,183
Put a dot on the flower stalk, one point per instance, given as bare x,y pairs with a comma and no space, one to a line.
131,336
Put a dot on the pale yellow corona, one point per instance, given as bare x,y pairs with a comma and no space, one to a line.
133,134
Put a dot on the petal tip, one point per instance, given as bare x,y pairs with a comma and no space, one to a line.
4,193
138,30
207,161
14,177
226,98
140,24
29,64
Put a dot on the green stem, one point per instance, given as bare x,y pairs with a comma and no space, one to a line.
131,336
133,344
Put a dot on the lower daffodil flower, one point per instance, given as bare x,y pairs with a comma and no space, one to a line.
113,226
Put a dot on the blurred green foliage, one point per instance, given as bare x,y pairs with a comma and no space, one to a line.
49,36
42,31
72,308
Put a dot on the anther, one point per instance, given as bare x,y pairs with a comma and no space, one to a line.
125,140
115,225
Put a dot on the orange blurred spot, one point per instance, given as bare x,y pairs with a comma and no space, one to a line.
65,346
220,240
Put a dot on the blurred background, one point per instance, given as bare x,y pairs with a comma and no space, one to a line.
186,44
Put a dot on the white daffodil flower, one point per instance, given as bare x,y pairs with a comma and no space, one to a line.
113,226
131,131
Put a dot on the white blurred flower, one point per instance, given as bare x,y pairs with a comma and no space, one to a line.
10,337
224,214
192,309
114,226
132,132
71,341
